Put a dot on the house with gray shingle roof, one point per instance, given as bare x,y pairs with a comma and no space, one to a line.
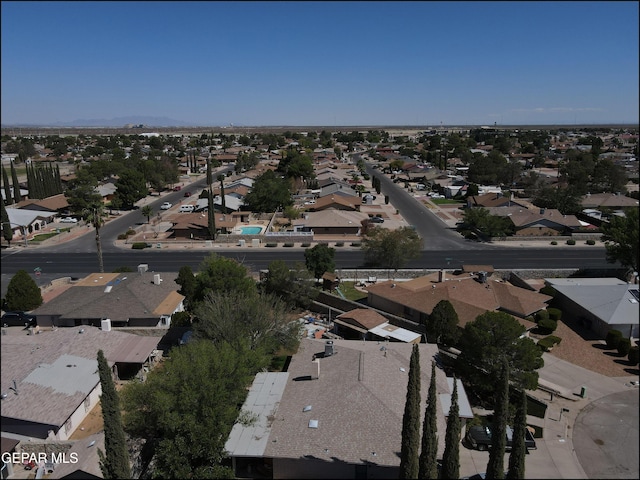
339,416
51,378
126,299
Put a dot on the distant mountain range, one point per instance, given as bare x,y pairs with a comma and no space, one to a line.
115,122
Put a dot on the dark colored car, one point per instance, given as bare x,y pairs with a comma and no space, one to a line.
18,319
177,188
376,220
187,194
479,437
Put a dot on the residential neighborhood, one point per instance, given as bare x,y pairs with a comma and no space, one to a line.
324,392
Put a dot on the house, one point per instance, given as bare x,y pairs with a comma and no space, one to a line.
338,416
470,294
106,191
50,380
493,200
24,221
331,222
8,448
537,221
602,304
367,324
336,202
55,203
142,299
87,466
608,200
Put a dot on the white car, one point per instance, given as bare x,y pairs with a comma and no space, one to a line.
68,220
165,206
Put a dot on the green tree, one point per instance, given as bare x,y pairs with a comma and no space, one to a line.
186,409
620,235
268,194
442,325
320,259
257,321
221,274
391,248
7,231
566,200
488,339
495,467
8,197
130,187
428,461
479,218
147,211
17,197
518,448
411,420
114,461
188,285
451,455
23,293
293,285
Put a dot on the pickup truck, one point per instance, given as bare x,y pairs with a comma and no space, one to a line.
479,437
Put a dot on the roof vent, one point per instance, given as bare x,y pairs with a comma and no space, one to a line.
313,423
307,408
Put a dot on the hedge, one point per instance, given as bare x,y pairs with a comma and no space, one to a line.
554,313
624,346
140,245
271,244
547,325
613,338
634,355
553,242
547,343
591,242
339,244
571,241
287,244
541,315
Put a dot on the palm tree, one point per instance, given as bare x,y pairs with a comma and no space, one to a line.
147,211
93,215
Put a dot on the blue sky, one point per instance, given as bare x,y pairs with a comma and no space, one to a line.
321,63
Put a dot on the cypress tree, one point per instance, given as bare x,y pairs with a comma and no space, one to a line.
428,463
114,461
451,455
495,467
8,198
7,231
411,420
519,449
58,180
211,214
16,185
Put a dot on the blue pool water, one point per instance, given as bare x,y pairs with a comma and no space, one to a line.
250,230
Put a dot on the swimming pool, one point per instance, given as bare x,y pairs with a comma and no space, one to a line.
250,230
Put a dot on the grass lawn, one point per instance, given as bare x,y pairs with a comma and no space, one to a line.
351,292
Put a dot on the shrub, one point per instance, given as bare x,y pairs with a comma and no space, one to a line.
131,231
140,245
122,236
305,244
339,244
271,244
288,244
554,313
547,343
547,325
180,319
634,355
355,244
548,290
624,346
591,242
553,242
571,241
613,337
541,315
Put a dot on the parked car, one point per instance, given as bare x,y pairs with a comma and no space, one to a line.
186,208
18,319
177,188
479,437
187,194
68,220
166,206
376,220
